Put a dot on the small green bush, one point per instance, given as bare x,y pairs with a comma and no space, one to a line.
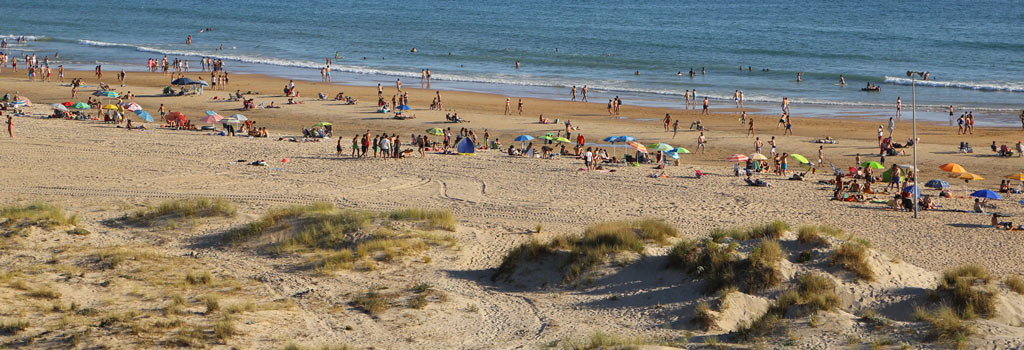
853,257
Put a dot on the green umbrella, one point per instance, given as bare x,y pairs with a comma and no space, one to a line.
562,139
682,150
435,131
547,137
660,147
874,165
80,105
321,124
799,158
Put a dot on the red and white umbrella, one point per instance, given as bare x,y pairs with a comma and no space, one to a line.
211,118
132,106
737,158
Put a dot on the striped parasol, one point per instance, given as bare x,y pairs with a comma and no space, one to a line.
738,158
637,146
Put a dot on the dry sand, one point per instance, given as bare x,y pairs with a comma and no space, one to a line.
100,172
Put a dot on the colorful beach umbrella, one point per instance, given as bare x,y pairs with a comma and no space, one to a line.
637,146
562,139
547,137
68,104
435,131
937,184
916,192
681,150
612,139
758,156
737,158
235,118
176,116
660,147
200,82
403,107
969,177
953,168
799,158
112,107
520,138
59,107
1017,176
873,165
132,106
80,105
24,100
988,194
626,139
212,119
144,115
106,93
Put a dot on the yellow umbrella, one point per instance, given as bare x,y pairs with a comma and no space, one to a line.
758,156
111,106
969,176
1017,176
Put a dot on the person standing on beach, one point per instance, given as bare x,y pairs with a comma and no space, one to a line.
675,128
99,71
686,98
701,140
693,95
899,107
892,126
736,97
585,89
162,110
610,112
880,134
10,127
821,155
508,105
1021,118
520,106
757,145
750,128
60,73
783,164
789,127
667,120
398,84
951,115
772,144
705,111
617,105
741,98
574,93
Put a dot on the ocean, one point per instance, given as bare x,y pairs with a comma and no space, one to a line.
974,50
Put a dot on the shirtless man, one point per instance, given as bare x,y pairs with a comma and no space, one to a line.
705,111
584,93
750,128
686,97
772,144
757,145
398,84
574,93
701,140
736,97
380,91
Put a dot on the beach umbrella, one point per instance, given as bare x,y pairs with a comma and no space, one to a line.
144,115
612,139
80,105
913,190
182,81
111,107
212,119
969,177
132,106
637,146
178,116
799,158
953,168
24,100
200,82
660,147
907,166
68,104
321,124
547,137
520,138
562,139
988,194
106,93
937,184
19,104
435,131
681,150
235,118
626,139
59,107
403,107
874,165
673,155
1017,176
737,158
758,156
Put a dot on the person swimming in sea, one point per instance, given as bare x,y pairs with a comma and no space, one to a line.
842,80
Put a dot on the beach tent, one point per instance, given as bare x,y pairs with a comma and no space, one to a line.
466,146
937,184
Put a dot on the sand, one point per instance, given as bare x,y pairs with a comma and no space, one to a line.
88,167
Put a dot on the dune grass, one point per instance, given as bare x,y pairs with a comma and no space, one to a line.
813,234
530,251
599,341
704,317
721,267
334,239
853,256
224,328
967,291
174,212
13,327
771,230
763,271
1015,284
946,325
814,292
293,346
39,214
375,303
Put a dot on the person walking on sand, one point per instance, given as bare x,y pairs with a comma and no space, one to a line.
573,93
757,145
772,144
736,97
667,120
705,111
675,128
686,97
99,71
398,84
1021,118
899,107
341,149
508,105
355,146
951,115
895,181
881,133
821,155
610,112
789,127
380,91
585,89
162,110
10,127
701,140
783,164
520,106
741,98
750,128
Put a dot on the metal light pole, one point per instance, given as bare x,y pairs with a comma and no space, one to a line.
913,89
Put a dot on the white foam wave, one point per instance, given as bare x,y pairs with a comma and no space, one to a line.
29,37
970,85
103,44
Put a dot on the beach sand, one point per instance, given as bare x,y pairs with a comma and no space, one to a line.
102,172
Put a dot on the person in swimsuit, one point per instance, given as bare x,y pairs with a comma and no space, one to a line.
10,127
700,142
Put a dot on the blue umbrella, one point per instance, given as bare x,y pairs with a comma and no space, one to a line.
200,82
913,190
612,139
523,138
144,115
626,139
672,154
210,113
937,184
988,194
182,81
403,107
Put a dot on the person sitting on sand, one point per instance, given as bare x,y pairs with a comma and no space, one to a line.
543,120
927,203
1006,225
978,208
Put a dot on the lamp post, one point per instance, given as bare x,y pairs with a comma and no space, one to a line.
913,89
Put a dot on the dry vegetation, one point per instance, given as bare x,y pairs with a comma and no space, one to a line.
19,218
772,230
852,256
721,266
181,212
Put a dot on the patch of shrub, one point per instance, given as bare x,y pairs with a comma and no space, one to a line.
967,291
771,230
177,209
13,327
704,316
853,257
436,219
763,272
1015,284
39,214
530,251
946,325
374,303
196,278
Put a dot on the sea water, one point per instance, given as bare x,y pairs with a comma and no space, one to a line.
974,50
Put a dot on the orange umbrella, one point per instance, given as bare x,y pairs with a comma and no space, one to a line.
969,177
176,116
953,168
